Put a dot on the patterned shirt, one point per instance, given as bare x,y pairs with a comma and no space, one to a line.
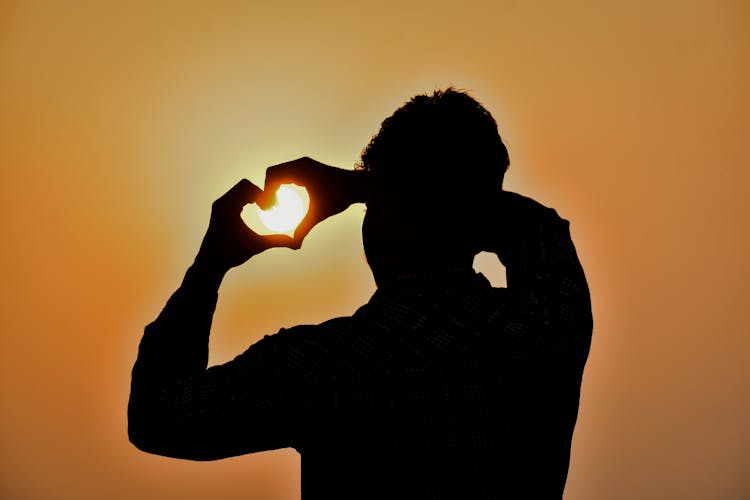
440,387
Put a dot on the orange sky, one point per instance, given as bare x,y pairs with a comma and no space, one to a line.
121,123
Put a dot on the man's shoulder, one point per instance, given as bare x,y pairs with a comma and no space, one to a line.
330,328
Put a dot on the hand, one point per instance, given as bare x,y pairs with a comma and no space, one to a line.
228,241
511,219
332,190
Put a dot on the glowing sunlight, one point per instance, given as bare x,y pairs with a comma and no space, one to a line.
291,206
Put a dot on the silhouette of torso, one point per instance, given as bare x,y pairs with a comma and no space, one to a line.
440,398
439,387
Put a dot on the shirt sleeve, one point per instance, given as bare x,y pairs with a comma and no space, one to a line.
181,409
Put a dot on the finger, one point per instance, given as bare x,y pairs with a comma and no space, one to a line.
306,224
238,196
302,171
283,173
303,228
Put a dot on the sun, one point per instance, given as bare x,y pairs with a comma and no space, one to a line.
291,206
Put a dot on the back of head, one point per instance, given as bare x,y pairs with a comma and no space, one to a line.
444,144
433,166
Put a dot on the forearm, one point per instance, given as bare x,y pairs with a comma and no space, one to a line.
177,341
173,348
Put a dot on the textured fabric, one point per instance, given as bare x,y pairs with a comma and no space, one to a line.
439,387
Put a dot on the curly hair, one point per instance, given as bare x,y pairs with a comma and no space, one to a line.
446,139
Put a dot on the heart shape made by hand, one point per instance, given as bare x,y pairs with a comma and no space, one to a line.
292,204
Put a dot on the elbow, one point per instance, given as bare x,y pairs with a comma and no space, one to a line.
144,433
155,443
148,429
141,431
142,444
167,442
143,437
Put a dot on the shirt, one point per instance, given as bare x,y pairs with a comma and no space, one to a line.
440,387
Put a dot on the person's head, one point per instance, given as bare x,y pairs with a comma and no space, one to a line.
432,165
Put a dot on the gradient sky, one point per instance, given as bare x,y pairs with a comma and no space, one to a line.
120,123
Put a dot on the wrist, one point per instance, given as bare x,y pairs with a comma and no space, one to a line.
205,275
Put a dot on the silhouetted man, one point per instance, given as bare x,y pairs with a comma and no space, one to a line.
440,386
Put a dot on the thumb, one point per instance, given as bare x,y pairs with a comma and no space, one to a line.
304,227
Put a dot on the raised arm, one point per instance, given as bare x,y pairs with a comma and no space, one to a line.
177,406
543,271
